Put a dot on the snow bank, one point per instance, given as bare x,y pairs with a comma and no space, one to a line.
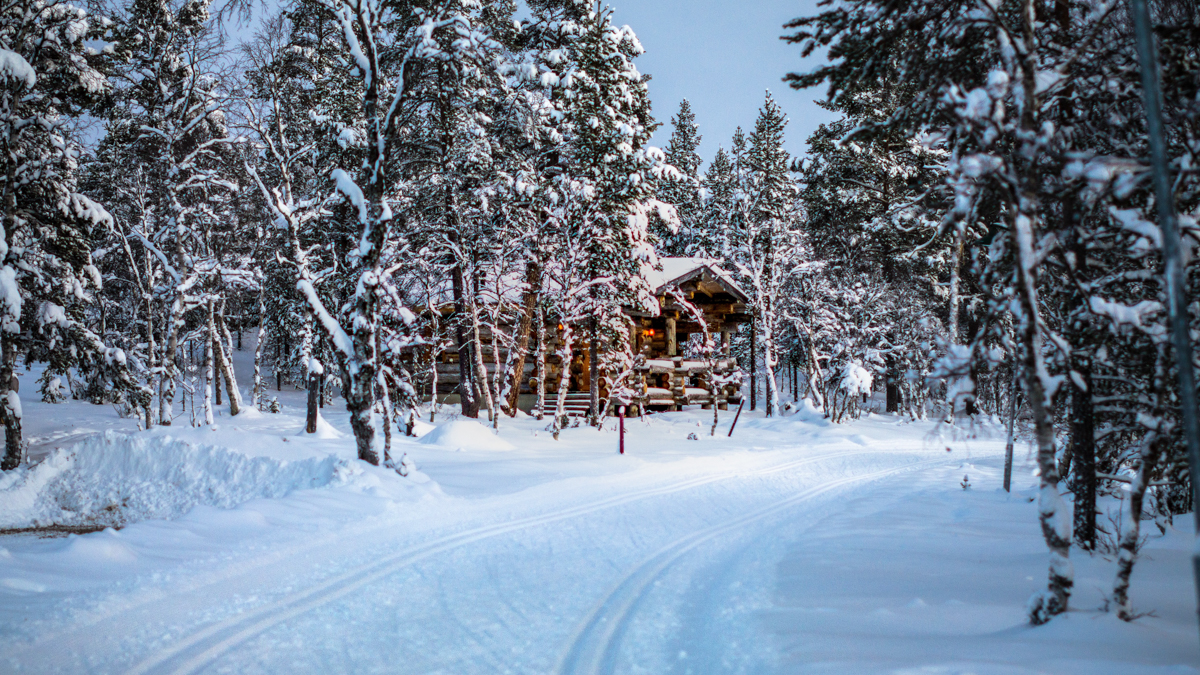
465,435
115,479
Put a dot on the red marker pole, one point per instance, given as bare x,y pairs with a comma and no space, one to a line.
735,417
621,418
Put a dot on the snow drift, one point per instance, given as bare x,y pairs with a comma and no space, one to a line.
465,435
114,479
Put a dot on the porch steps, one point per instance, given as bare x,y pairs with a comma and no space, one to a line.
577,403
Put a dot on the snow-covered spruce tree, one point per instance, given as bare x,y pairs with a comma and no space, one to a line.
541,188
1124,415
767,218
873,210
720,183
869,197
1031,108
599,179
684,194
48,75
610,120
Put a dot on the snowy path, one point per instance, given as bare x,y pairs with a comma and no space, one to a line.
526,593
597,645
797,546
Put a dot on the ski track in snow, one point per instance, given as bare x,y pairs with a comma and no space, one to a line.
596,645
201,649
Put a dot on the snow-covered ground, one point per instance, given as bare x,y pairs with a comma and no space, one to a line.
796,546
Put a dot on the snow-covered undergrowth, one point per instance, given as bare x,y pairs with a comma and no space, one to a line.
114,479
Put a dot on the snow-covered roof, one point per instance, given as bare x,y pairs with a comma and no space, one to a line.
678,270
512,287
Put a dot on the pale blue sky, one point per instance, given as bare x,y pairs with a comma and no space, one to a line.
722,55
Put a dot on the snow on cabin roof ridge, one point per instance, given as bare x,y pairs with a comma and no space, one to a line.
676,268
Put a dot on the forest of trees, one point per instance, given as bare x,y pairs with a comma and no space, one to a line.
975,236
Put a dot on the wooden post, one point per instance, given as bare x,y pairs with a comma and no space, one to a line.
671,336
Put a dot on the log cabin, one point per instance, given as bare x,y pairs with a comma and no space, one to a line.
664,378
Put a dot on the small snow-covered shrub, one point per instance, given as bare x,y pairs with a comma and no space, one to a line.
52,388
846,390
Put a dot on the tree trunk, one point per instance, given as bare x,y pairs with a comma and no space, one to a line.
230,373
433,379
208,370
385,401
466,393
516,356
1127,556
893,389
231,387
1083,442
256,395
1012,419
753,364
769,363
151,346
310,362
315,373
540,363
594,374
10,407
564,379
217,374
480,376
166,398
359,387
1055,525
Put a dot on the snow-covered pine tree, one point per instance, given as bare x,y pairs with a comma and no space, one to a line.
874,211
387,49
464,188
685,194
610,124
292,123
767,233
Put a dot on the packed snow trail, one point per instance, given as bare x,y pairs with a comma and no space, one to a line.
795,547
235,622
202,648
595,648
196,652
